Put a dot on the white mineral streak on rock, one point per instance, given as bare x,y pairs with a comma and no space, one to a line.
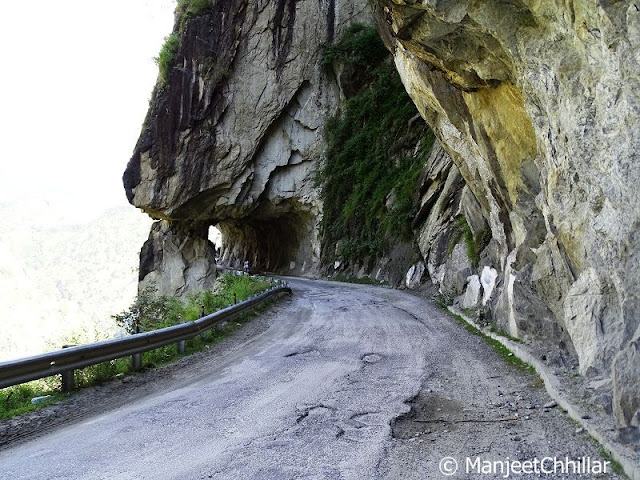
488,280
472,293
414,275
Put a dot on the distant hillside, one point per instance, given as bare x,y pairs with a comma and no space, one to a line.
62,278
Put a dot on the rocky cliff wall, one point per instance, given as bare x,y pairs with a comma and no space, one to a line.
233,137
536,103
526,206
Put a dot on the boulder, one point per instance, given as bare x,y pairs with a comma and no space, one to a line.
177,258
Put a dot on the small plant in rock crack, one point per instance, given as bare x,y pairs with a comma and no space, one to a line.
445,299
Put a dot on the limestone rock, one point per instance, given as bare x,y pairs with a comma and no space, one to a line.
440,187
178,258
626,386
471,296
537,106
456,271
589,306
414,275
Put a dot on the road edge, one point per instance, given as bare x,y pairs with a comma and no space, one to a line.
552,386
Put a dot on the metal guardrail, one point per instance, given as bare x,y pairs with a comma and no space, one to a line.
14,372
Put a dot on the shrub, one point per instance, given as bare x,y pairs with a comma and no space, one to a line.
360,46
197,7
152,311
167,56
17,400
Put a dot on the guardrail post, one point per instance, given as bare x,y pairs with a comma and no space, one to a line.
68,379
182,344
235,299
136,361
203,335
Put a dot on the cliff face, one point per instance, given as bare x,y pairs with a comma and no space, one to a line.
536,103
233,137
526,205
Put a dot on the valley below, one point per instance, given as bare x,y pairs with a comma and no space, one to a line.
64,272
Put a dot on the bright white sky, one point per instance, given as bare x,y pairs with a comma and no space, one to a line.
75,82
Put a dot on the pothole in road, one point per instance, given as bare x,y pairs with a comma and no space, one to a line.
317,412
371,358
430,413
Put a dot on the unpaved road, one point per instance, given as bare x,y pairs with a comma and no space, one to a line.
338,382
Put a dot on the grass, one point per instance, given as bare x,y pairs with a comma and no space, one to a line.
360,47
474,244
502,333
498,347
17,400
445,299
154,312
150,311
615,465
187,9
195,7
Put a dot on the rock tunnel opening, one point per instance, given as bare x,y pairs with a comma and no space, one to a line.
270,245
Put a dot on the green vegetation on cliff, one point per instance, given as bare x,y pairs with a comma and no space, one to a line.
194,7
166,57
376,149
474,244
187,9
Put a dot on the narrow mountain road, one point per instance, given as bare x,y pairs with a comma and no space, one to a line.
344,382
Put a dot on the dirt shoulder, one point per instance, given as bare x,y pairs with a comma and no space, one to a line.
585,401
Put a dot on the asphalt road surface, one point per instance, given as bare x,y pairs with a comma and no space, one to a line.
343,382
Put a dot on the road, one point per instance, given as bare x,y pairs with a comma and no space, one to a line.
343,382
